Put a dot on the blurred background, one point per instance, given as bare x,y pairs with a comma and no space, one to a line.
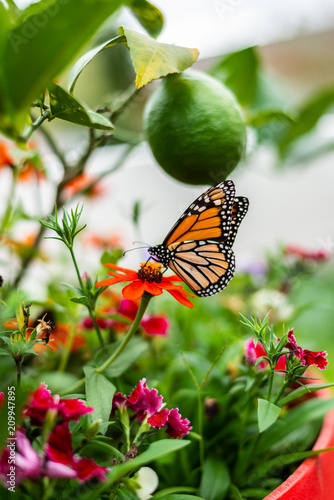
290,188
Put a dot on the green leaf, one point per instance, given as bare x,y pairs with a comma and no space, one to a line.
307,118
311,410
124,494
215,479
282,461
267,414
40,47
63,105
266,117
149,16
135,348
99,393
3,352
154,60
177,496
81,300
86,58
305,389
239,71
155,451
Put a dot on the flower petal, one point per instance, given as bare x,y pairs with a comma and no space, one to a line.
133,291
181,297
122,269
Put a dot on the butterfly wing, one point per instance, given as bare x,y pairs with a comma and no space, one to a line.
239,210
208,217
206,266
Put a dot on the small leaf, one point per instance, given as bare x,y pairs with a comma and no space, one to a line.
266,117
154,60
99,393
86,58
149,16
177,496
237,68
267,414
81,300
3,352
66,107
305,389
308,118
215,479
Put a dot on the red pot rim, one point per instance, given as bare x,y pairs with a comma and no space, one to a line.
314,478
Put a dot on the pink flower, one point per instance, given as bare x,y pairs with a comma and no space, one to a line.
303,254
146,403
41,401
144,400
30,465
2,400
308,358
59,449
177,426
253,353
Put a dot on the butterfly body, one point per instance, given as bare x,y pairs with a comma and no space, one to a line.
198,247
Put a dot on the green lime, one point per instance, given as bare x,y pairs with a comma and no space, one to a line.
194,128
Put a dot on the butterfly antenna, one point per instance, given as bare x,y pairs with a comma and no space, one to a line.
137,248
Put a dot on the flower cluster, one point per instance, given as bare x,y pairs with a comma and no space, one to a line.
153,324
149,279
41,401
308,255
307,358
56,458
147,406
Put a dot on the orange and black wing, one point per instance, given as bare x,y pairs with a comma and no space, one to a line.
206,266
209,217
239,210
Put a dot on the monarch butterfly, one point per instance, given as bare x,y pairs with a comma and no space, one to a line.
198,247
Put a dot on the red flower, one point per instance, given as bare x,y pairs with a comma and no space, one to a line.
148,279
144,400
308,358
146,403
2,400
177,426
60,450
303,254
253,353
41,401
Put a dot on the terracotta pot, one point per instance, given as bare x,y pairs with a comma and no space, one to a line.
314,478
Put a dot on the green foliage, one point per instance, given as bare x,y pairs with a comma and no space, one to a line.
99,393
66,107
267,414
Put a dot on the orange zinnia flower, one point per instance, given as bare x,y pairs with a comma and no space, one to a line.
82,183
5,157
148,279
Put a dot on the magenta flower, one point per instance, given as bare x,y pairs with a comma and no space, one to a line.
60,450
41,401
308,358
2,400
177,426
253,353
30,465
143,400
146,403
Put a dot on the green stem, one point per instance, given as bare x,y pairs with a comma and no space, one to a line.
34,126
18,363
271,378
90,309
284,386
141,311
200,428
127,97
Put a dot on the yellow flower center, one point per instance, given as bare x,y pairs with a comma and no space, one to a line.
150,272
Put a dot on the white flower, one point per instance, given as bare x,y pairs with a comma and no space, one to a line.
148,482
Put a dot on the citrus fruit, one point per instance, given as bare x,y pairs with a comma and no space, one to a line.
194,128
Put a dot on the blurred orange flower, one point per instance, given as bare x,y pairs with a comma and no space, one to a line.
5,158
82,183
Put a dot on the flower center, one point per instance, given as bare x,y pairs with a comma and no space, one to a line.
150,272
